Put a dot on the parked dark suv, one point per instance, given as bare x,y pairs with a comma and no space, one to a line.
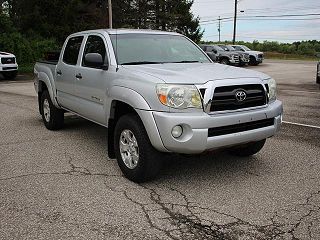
223,57
244,57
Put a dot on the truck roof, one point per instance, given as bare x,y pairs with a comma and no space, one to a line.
128,31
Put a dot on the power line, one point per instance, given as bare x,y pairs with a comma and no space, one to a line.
287,15
264,19
268,16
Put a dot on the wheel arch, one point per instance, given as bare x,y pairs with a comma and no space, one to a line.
45,84
120,108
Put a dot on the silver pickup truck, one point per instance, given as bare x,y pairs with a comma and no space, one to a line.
157,93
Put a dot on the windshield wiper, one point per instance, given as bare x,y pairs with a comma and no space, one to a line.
187,62
140,63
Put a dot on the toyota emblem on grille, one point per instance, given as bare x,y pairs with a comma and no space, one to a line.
240,95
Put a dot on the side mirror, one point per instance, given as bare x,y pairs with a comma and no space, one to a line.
94,60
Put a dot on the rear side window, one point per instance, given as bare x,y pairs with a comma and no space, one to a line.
72,49
238,48
95,44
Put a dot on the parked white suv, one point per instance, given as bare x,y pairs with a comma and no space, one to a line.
8,65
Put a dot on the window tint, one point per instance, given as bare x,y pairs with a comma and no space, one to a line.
238,48
71,52
94,44
210,49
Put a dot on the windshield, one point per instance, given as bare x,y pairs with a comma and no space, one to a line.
219,49
230,48
246,48
224,47
227,48
155,48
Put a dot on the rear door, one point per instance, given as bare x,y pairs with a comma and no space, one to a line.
91,83
66,71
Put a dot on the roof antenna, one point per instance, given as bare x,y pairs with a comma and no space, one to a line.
117,69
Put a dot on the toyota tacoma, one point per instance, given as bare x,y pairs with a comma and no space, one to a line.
157,93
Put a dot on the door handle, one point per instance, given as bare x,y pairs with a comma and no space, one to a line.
79,76
59,72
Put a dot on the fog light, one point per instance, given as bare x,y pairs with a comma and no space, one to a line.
177,131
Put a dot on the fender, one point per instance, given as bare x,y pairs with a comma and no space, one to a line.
128,96
136,101
43,77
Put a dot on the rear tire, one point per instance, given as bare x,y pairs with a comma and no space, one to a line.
248,149
137,158
52,117
10,75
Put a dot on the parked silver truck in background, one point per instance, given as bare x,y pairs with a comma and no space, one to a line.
256,57
156,92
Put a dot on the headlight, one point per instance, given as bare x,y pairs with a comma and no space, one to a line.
179,96
272,90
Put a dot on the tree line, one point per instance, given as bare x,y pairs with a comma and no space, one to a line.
30,27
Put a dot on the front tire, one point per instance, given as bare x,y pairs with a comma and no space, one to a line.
248,149
52,117
253,61
137,158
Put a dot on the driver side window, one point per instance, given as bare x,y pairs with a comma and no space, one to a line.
95,44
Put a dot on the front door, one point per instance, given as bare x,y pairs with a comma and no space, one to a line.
91,83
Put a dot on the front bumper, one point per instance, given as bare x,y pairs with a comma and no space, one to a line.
8,67
260,60
195,128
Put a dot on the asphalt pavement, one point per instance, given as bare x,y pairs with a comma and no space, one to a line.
61,185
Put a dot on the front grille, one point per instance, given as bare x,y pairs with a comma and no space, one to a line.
9,68
218,131
8,60
260,56
224,98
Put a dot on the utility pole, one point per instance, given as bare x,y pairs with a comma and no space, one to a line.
219,28
110,13
235,21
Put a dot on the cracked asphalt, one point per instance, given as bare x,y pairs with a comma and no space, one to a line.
61,185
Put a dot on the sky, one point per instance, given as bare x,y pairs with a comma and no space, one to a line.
281,29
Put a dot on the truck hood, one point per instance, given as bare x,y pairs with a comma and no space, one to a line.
194,73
